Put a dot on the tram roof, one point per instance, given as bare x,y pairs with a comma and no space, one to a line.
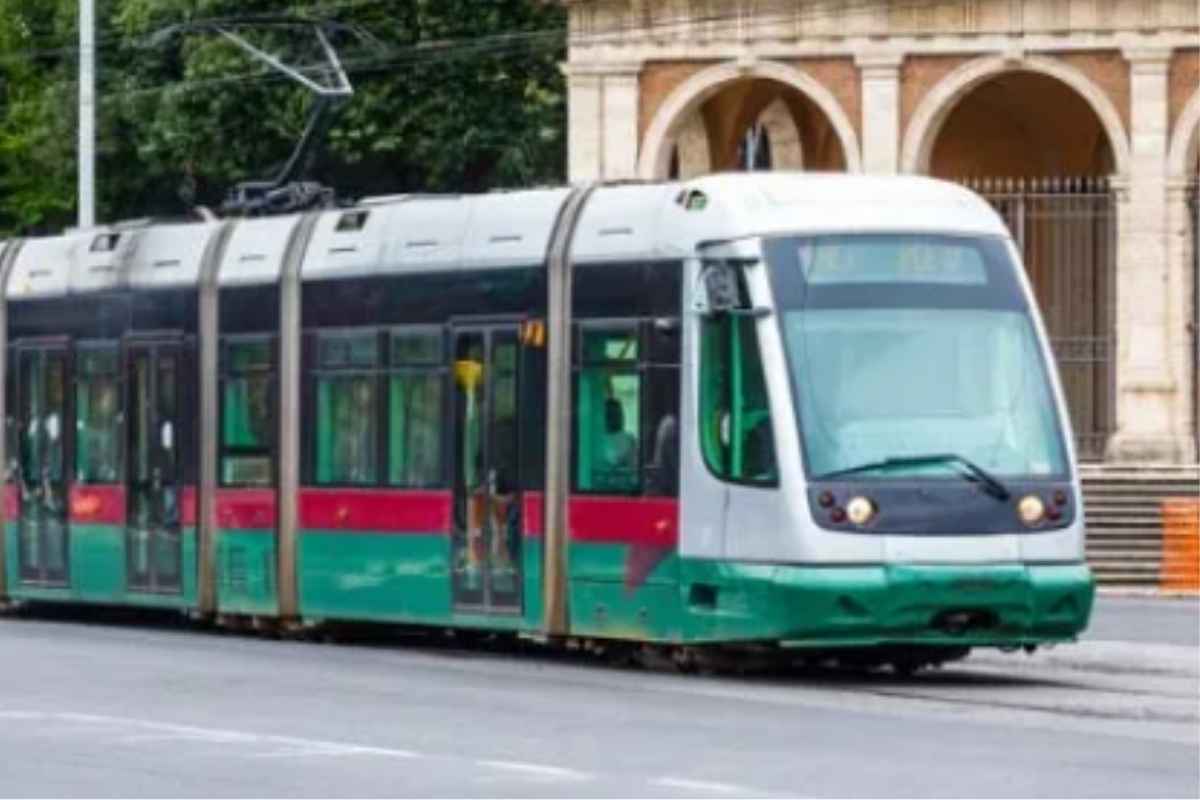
423,233
779,203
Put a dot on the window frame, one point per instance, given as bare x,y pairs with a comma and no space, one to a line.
438,368
226,372
732,320
317,371
636,366
81,349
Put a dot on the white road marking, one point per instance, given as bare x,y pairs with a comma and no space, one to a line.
690,785
539,770
165,731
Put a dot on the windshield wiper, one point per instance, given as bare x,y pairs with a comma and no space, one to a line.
975,473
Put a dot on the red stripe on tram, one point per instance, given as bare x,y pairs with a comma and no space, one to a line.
187,507
376,510
97,504
246,509
645,521
12,502
533,506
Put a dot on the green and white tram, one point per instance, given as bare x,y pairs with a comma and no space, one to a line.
806,413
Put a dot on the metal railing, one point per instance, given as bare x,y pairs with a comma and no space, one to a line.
1066,230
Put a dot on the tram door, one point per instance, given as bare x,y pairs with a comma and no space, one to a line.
486,544
39,465
153,552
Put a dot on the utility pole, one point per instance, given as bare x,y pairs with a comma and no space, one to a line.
87,114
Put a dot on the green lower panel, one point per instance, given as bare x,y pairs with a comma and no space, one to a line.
531,559
625,592
97,567
832,606
399,578
246,572
614,591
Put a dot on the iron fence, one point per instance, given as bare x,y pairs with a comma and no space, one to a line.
1066,230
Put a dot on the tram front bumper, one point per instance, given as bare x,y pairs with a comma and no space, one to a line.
1007,605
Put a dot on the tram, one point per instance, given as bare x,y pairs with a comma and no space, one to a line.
798,412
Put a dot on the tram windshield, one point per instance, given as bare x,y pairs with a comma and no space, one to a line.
904,346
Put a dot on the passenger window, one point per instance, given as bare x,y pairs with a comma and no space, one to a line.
98,404
608,412
247,414
416,386
347,410
661,446
735,419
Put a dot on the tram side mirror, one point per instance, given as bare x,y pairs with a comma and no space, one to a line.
718,289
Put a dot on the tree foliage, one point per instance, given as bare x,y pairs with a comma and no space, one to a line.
458,95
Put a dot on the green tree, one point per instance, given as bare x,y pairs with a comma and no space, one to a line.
465,95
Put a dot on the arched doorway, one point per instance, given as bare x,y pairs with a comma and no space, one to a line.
1042,153
767,116
755,124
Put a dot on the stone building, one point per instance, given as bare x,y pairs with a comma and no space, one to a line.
1078,119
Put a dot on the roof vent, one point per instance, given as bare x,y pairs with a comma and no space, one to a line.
105,243
352,221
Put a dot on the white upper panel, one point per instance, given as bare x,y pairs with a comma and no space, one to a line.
170,255
100,259
43,267
511,229
255,251
430,233
348,242
426,234
624,223
753,204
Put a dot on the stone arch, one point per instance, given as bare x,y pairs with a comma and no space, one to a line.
682,103
933,111
1185,139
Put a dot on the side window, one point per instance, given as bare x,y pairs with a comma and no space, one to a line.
735,418
608,402
661,446
416,388
247,413
98,414
347,409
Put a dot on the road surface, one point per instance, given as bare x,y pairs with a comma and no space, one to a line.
104,709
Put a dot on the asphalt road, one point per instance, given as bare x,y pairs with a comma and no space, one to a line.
1168,620
105,709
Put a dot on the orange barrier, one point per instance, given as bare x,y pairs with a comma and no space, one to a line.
1181,545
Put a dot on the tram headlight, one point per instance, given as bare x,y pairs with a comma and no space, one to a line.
860,510
1031,509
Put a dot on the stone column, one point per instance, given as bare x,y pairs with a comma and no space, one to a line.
621,121
584,118
1148,385
880,74
602,127
1181,295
